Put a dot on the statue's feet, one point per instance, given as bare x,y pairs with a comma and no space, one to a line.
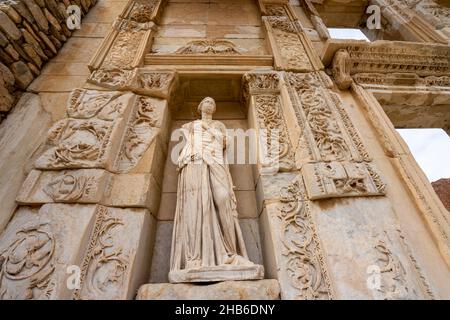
236,260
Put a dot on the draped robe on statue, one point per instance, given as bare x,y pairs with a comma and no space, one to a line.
206,231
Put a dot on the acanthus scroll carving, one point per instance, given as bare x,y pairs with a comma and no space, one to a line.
327,129
105,264
260,83
209,46
304,263
270,117
28,264
291,51
139,135
77,144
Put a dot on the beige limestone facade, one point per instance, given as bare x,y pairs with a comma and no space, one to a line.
88,185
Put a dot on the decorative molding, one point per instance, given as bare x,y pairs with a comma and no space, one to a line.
386,57
249,61
260,83
420,189
417,20
402,81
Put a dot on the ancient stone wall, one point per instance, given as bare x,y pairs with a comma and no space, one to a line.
31,33
87,181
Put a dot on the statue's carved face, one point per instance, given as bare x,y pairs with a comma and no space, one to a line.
208,105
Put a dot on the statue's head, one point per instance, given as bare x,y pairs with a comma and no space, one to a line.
207,105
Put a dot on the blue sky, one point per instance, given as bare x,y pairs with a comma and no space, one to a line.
431,149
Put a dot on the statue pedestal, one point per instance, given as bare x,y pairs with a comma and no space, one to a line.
217,273
267,289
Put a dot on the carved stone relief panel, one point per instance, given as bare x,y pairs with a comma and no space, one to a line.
113,78
37,247
269,117
103,105
125,45
291,47
341,179
118,257
325,127
150,114
288,226
143,11
75,143
141,80
71,186
290,52
210,46
412,20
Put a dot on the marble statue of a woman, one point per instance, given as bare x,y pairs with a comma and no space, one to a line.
207,243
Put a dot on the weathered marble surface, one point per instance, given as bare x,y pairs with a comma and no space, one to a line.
228,290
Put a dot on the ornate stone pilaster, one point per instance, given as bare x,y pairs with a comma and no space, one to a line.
290,46
130,37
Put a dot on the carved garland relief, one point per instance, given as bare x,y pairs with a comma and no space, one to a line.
304,262
270,118
27,264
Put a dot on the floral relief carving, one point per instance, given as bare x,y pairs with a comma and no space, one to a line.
143,11
155,80
105,265
126,45
113,78
270,118
209,46
304,262
70,187
85,104
260,82
77,144
395,57
139,135
289,45
329,133
28,263
394,283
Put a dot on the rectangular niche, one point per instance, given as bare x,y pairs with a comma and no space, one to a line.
226,89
